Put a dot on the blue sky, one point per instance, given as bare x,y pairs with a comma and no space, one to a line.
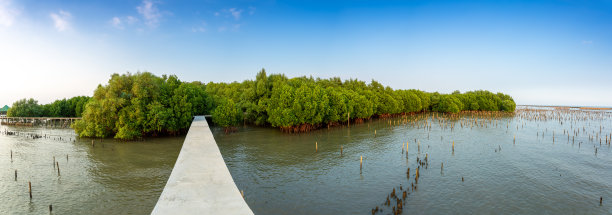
540,52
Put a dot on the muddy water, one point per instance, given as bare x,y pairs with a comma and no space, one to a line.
509,165
108,178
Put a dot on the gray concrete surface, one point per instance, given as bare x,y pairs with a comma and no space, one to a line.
200,182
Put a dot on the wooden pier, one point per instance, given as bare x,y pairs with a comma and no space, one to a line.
56,122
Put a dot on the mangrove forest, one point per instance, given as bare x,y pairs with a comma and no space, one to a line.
132,106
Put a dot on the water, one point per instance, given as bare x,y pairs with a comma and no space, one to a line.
108,178
283,174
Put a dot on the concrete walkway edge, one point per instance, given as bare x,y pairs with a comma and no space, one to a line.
200,182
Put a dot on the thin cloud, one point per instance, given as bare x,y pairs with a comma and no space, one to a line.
587,42
199,29
116,22
120,23
61,20
149,12
235,13
7,13
130,20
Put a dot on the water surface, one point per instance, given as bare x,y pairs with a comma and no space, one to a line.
283,173
110,177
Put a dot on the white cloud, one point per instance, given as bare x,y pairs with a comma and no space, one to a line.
251,10
198,29
235,13
116,22
61,20
587,42
131,20
201,28
149,13
120,23
7,13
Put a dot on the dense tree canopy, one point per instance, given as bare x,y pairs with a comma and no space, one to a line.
72,107
135,105
304,103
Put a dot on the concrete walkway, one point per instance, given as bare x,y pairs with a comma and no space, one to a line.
200,182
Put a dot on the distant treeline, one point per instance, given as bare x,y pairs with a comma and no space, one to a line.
72,107
132,106
304,103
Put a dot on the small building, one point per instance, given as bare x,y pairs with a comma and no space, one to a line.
4,110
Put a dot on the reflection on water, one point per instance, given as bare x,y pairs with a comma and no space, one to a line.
282,174
109,177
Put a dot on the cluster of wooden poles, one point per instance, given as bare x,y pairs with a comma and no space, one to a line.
31,135
56,166
476,119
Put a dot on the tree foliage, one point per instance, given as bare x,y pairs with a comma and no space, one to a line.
135,105
72,107
278,101
131,106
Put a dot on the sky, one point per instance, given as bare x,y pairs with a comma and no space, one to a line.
539,52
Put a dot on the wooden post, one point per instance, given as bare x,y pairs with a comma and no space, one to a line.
92,143
58,169
348,119
50,208
316,147
15,175
407,142
30,185
360,163
11,156
341,148
54,162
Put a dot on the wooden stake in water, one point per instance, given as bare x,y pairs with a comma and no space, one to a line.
15,175
54,162
407,142
58,169
30,186
360,163
11,156
341,148
316,147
